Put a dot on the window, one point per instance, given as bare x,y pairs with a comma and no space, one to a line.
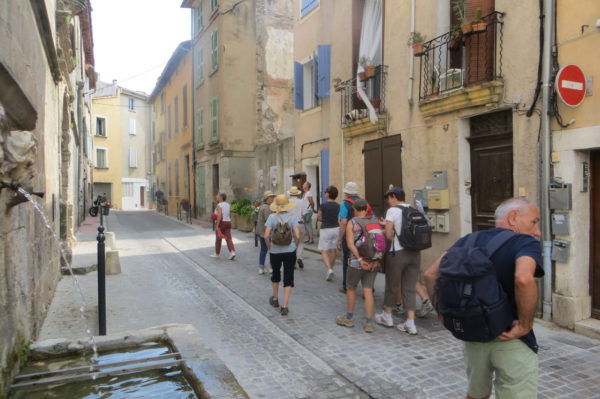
200,127
184,106
213,5
101,126
176,114
176,177
101,157
127,189
131,104
311,79
199,16
214,55
162,102
132,157
153,131
132,126
170,182
169,121
308,6
200,65
214,119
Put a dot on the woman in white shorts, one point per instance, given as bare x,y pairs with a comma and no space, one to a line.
328,236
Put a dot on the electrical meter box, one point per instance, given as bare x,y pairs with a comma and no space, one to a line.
443,222
560,197
560,224
438,199
421,195
439,181
560,251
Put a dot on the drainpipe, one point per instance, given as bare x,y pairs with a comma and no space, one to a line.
411,63
80,212
546,148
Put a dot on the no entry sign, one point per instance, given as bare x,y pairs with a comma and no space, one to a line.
570,85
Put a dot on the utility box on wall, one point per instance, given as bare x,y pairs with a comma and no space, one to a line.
443,222
560,197
560,251
438,199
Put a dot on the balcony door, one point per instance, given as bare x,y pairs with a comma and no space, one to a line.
595,233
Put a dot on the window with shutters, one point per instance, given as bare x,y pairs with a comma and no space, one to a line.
184,106
132,126
100,126
214,55
200,132
200,65
162,102
169,121
199,22
214,119
131,104
307,6
312,78
132,157
101,157
213,5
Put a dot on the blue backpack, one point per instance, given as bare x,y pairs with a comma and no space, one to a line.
469,296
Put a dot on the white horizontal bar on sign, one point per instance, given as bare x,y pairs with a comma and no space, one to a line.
569,84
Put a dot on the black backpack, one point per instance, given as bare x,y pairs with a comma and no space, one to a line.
415,233
469,296
282,232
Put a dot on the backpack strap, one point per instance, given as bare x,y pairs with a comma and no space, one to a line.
498,241
362,229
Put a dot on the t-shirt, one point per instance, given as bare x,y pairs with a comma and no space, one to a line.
504,261
293,222
394,215
329,214
346,210
307,207
299,209
225,210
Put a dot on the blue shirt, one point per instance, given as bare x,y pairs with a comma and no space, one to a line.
505,260
272,222
346,208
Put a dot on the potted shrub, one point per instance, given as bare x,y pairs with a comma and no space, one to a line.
434,89
460,9
478,24
367,64
416,40
455,37
243,209
337,84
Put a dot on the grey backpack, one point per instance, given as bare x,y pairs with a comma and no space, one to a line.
282,232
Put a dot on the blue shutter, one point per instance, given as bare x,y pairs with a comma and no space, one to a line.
324,173
324,54
315,81
298,90
308,5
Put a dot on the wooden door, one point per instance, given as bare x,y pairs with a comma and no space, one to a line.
142,196
491,166
595,233
383,166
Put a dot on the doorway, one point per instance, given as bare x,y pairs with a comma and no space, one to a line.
142,196
491,166
595,233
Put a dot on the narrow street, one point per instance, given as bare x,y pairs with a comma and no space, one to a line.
168,277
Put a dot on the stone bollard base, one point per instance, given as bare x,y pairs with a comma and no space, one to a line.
110,240
113,265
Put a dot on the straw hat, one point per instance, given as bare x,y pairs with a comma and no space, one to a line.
351,188
282,204
295,192
268,194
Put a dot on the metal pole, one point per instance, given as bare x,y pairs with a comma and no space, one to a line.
546,148
101,278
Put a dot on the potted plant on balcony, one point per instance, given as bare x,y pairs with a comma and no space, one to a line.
416,40
460,9
455,37
478,24
337,84
434,89
367,63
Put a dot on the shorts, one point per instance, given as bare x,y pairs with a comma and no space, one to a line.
366,278
328,238
515,365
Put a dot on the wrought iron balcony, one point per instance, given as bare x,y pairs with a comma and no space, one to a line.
353,107
454,60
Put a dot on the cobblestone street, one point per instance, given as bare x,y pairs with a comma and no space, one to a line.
168,277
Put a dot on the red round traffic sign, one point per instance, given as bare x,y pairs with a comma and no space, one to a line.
570,85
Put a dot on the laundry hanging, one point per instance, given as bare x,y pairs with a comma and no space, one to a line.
371,39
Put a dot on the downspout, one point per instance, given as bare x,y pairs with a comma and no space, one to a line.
193,93
80,211
546,147
411,63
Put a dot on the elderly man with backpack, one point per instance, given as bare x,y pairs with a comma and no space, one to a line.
486,295
282,235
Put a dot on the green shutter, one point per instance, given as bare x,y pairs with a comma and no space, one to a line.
214,49
200,127
201,174
200,65
200,16
213,4
214,119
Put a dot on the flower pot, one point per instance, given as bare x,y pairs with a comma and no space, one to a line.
338,87
362,76
466,27
234,220
418,49
434,91
244,223
105,210
479,26
370,71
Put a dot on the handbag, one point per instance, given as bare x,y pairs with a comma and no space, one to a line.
213,216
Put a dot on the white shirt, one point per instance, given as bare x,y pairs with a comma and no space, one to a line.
394,215
299,209
225,211
307,206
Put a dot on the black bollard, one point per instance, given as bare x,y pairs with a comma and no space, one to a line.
101,279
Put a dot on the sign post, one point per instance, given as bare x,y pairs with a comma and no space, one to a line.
570,85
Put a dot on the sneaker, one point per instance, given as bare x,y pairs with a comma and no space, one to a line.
344,321
232,256
329,276
398,310
343,290
284,311
300,264
273,302
369,328
270,270
384,319
404,328
214,255
261,270
426,308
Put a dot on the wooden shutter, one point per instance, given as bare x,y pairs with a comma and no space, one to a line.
214,119
200,127
324,54
298,86
214,37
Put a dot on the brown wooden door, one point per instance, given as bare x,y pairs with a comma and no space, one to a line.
491,166
383,166
142,196
595,233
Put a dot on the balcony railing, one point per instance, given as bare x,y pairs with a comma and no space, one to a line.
454,60
353,108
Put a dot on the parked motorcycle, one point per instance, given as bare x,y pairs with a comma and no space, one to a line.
93,211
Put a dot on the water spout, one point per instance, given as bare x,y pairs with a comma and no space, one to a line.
18,196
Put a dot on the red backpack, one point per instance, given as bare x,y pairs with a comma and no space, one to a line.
369,210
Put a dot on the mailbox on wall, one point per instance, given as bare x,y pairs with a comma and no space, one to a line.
560,196
438,199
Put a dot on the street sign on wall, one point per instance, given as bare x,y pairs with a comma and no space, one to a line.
570,85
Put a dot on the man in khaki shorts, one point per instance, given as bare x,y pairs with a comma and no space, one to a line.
512,357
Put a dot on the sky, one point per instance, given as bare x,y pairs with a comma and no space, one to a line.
134,39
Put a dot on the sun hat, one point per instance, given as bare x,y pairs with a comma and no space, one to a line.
295,191
282,204
268,194
351,188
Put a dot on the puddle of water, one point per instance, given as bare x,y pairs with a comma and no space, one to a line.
166,382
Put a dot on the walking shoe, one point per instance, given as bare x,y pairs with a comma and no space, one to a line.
261,270
426,308
232,256
274,302
214,255
384,319
343,290
369,328
284,311
405,328
270,270
329,276
300,264
344,321
398,310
